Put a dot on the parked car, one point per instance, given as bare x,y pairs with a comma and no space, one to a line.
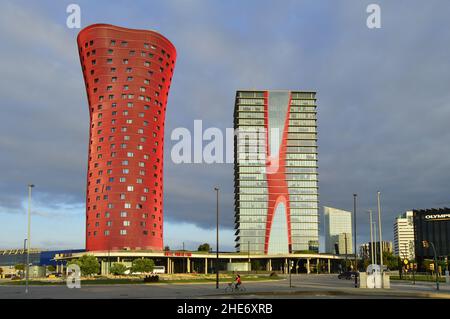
348,275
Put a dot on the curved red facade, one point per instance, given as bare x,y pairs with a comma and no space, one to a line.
127,74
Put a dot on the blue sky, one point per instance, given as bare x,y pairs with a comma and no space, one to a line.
383,105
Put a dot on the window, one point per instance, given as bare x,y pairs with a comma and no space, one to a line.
123,214
127,205
130,154
125,61
126,223
123,232
122,179
113,42
106,232
124,43
130,188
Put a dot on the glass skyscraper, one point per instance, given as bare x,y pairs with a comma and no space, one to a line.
276,191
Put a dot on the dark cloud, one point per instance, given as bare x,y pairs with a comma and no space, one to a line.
383,98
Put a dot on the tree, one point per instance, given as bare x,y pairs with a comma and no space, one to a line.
118,269
142,265
204,247
20,267
390,260
88,264
51,268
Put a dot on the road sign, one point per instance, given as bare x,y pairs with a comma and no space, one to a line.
405,261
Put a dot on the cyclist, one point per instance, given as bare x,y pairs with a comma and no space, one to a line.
237,281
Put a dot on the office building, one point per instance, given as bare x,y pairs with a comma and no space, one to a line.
338,231
404,236
127,75
276,192
432,226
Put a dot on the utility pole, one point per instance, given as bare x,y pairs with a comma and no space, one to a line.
217,237
354,226
381,239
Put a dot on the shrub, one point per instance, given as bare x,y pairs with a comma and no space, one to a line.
154,278
142,265
118,269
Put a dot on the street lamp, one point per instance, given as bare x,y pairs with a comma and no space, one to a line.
354,227
217,237
381,239
30,186
426,244
371,235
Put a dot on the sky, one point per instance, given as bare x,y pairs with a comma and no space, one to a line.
383,106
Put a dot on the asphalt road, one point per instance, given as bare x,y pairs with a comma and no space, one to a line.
303,286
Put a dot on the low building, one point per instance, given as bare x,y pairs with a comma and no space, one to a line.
205,262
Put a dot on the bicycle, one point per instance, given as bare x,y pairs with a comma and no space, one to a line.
232,288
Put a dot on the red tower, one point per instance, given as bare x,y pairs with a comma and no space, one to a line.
127,74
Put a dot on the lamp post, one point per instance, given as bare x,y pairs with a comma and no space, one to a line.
24,257
346,252
354,228
426,244
217,237
30,186
375,242
381,239
371,235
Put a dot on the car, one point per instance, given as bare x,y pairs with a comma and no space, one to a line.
348,275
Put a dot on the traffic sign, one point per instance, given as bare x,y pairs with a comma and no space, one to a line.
405,261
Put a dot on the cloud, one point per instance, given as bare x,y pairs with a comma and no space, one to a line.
382,98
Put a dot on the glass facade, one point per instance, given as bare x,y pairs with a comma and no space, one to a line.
431,225
276,191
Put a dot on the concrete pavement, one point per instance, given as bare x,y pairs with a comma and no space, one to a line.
304,286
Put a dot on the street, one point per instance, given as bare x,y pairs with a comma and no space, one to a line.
303,286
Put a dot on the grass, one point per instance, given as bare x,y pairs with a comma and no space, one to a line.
133,281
